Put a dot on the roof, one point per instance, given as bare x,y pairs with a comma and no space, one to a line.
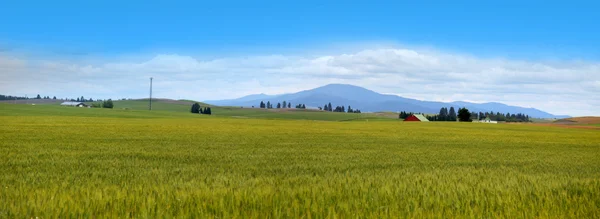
421,117
71,103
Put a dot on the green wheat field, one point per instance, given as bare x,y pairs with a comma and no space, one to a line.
61,162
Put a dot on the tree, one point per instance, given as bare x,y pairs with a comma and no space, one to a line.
107,104
54,98
325,107
195,108
464,115
289,105
443,114
207,111
452,114
284,105
268,104
38,97
82,99
278,105
329,107
78,99
404,115
303,106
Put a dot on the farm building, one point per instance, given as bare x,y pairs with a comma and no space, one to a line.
416,118
487,120
74,104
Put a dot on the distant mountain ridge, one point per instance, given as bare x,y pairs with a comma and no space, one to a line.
371,101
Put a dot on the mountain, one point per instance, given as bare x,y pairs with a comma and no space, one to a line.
371,101
250,98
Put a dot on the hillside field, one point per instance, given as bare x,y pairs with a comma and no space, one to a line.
78,162
168,107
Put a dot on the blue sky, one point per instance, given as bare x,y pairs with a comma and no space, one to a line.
193,39
524,28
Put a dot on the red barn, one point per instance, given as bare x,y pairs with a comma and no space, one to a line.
416,118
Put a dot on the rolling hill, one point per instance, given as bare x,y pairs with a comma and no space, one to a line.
371,101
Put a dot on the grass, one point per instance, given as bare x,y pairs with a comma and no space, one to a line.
71,162
162,108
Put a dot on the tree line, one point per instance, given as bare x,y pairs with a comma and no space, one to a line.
508,117
268,105
104,104
9,97
196,108
281,105
326,107
444,115
40,97
339,109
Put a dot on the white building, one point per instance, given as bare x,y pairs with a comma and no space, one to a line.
486,120
74,104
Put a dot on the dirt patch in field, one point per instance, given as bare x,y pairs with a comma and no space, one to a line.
580,120
390,115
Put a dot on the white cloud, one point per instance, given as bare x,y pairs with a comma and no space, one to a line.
565,87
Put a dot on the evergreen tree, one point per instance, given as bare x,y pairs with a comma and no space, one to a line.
278,105
452,114
325,107
82,99
284,105
303,106
349,109
195,108
442,114
329,107
38,97
262,104
268,104
78,99
464,115
289,105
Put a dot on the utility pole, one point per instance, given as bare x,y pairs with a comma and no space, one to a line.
150,93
